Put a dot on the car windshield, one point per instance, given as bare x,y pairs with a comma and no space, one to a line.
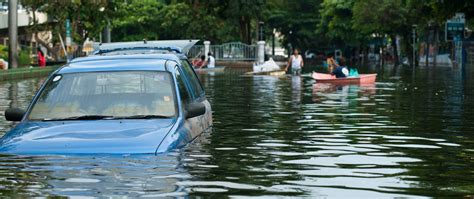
106,95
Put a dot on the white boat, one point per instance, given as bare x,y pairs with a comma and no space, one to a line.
269,67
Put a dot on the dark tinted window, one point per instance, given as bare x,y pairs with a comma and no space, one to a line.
183,91
192,77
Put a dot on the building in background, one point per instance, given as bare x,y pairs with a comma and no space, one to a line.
26,39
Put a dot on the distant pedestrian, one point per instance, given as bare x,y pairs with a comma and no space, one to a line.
296,63
41,58
211,62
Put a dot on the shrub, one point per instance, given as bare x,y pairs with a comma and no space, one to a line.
3,52
24,58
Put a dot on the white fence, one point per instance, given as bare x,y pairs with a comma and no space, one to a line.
234,51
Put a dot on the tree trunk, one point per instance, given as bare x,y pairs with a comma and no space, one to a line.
427,48
249,31
365,56
436,43
382,56
382,53
357,56
396,59
244,24
35,31
44,44
408,47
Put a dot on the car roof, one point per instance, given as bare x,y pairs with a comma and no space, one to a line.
179,46
127,62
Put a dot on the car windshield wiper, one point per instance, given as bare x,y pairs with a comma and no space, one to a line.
82,117
141,117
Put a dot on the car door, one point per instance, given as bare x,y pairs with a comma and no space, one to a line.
197,93
194,124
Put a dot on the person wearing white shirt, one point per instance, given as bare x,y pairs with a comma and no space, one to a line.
296,63
211,62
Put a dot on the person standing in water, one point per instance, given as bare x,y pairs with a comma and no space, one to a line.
211,62
296,63
200,63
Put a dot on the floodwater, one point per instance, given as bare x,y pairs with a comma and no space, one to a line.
404,136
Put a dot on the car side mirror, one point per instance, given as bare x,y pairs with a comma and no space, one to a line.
195,109
14,114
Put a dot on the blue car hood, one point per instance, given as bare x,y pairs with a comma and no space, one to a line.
86,137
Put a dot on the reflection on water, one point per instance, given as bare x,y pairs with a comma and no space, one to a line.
285,136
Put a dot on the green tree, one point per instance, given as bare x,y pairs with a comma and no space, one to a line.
381,18
336,22
296,21
137,20
245,12
88,18
153,19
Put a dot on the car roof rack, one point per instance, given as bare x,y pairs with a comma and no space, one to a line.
176,46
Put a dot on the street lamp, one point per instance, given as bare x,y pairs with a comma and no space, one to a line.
106,31
261,31
273,41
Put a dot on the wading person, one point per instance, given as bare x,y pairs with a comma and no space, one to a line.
200,63
211,62
296,63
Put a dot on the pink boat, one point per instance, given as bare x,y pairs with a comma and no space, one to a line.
361,79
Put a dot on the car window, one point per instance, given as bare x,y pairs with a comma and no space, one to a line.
116,94
194,81
183,91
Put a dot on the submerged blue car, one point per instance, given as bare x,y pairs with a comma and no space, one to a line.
131,103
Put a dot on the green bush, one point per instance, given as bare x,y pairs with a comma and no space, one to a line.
24,58
3,52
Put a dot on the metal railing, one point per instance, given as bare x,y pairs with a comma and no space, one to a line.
234,51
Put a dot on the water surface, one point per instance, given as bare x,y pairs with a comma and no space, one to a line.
404,136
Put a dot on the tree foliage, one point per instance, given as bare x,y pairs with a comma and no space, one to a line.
296,21
304,23
218,21
87,17
379,16
336,21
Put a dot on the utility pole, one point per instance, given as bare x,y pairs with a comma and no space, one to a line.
13,33
107,33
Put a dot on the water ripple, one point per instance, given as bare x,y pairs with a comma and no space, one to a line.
282,137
